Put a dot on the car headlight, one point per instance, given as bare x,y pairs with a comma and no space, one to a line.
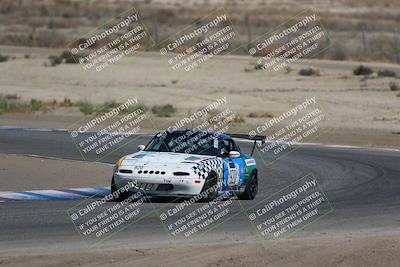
119,163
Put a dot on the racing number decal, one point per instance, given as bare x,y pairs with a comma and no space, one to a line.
234,174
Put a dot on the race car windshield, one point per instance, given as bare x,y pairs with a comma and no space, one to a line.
202,143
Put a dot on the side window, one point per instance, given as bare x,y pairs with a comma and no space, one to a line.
224,147
233,146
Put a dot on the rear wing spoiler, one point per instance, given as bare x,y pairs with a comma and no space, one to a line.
254,138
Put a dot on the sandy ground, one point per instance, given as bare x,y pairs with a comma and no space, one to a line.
336,250
33,173
350,101
359,112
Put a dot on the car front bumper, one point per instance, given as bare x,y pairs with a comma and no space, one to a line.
160,186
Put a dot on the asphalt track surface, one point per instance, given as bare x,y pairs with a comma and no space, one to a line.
363,186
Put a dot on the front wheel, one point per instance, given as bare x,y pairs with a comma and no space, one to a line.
210,189
251,189
119,197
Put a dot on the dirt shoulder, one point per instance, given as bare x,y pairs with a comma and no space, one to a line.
342,250
33,173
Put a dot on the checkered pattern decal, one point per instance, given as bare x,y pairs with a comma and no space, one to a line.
205,166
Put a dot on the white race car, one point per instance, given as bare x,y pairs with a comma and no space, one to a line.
187,163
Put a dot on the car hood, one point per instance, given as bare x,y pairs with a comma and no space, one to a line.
144,158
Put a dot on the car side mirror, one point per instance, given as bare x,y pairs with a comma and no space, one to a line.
234,154
141,147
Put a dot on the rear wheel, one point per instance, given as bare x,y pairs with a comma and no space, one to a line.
251,189
118,197
210,189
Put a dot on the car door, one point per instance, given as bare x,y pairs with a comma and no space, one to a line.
234,167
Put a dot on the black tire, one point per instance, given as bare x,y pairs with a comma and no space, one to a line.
121,196
251,189
211,181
